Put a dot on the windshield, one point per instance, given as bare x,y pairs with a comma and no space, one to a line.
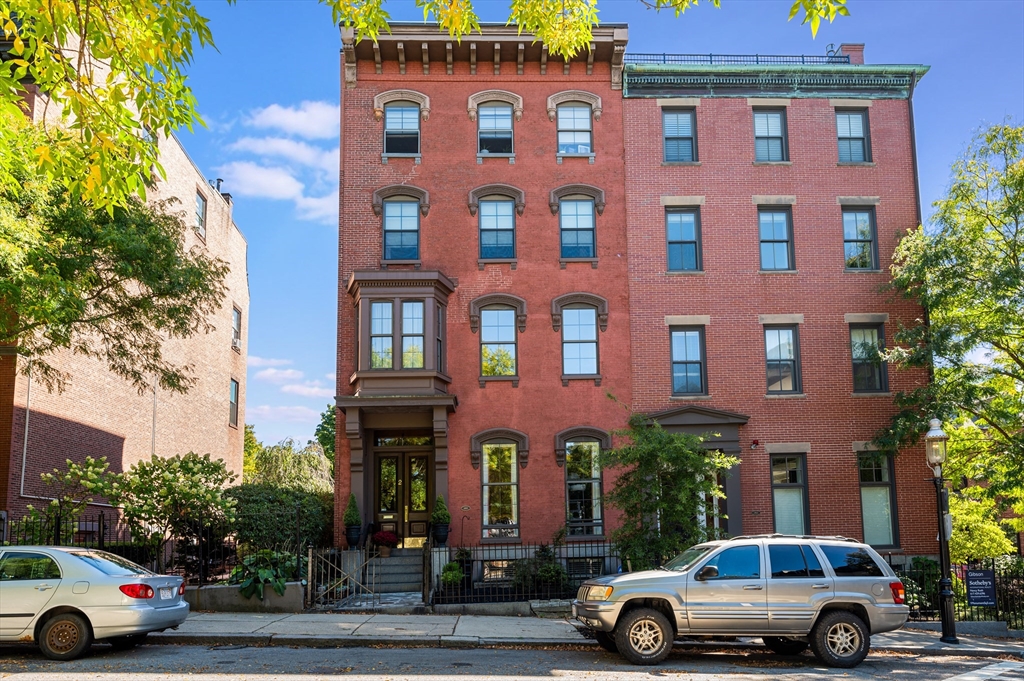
109,564
684,560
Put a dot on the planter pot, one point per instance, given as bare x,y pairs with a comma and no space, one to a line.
385,551
440,533
352,534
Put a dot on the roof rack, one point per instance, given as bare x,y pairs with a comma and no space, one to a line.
837,537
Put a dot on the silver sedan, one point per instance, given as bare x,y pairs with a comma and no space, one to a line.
64,598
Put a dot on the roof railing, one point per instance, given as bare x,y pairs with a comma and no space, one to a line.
734,59
837,537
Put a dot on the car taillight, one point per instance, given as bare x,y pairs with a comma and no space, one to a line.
898,595
181,589
137,590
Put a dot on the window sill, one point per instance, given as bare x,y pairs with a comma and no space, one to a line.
514,380
680,163
417,158
201,235
852,270
684,273
233,425
871,394
571,538
778,271
237,349
689,398
496,261
862,164
386,263
596,378
559,157
785,396
562,262
511,157
773,163
501,540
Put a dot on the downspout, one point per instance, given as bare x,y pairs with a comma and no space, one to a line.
917,195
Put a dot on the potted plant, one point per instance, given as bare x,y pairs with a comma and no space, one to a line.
386,541
451,576
353,522
464,557
440,520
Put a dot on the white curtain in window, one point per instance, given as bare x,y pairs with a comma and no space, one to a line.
876,505
789,511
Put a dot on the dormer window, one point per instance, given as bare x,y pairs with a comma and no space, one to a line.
401,128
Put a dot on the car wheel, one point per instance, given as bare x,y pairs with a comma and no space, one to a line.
785,646
643,636
126,642
64,637
840,639
606,641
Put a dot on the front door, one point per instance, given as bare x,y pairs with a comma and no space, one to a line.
402,496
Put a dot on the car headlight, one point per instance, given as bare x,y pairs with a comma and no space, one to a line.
599,593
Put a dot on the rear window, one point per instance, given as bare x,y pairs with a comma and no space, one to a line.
851,561
109,564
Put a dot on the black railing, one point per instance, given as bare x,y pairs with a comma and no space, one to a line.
921,584
738,59
504,574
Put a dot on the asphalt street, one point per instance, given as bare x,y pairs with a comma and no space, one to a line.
244,663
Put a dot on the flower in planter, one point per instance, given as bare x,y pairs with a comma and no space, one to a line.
389,539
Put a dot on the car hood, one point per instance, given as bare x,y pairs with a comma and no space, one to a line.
635,578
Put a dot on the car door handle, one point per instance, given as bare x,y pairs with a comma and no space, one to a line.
43,587
752,587
819,586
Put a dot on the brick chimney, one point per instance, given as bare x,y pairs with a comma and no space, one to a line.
854,50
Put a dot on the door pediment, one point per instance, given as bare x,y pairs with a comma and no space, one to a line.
692,415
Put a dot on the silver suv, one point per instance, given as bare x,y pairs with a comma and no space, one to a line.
828,593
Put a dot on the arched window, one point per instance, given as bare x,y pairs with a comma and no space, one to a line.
494,111
576,204
400,206
578,316
401,111
578,449
496,452
499,317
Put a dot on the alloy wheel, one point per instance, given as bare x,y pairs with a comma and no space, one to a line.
645,636
843,639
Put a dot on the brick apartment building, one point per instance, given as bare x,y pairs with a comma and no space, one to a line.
100,414
522,236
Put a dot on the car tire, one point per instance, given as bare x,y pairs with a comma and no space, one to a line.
840,639
65,637
606,641
785,646
644,636
126,642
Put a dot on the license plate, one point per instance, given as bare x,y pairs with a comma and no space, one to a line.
574,611
166,593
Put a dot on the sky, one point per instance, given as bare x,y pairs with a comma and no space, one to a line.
269,96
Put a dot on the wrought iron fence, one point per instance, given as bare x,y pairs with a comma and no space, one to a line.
920,580
203,551
502,573
342,579
737,59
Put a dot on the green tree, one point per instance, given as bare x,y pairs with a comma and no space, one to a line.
968,274
162,497
977,532
285,465
72,489
110,285
667,480
497,362
250,452
325,433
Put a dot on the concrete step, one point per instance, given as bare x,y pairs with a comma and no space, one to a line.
398,587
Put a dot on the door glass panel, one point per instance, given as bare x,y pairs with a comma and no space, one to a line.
25,566
387,484
741,562
787,561
418,483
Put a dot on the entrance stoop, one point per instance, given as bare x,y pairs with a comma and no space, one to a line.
400,572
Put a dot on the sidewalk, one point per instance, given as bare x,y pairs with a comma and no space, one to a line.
472,631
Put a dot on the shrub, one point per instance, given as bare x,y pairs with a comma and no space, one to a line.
265,516
451,574
352,517
259,569
385,539
440,516
541,571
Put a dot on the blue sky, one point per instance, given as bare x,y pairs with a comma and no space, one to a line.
269,94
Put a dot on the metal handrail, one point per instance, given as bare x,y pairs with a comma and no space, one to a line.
737,59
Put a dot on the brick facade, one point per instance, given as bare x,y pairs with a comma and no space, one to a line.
99,414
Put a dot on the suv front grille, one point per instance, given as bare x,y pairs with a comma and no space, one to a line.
582,594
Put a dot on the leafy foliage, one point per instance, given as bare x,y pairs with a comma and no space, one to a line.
165,496
325,432
73,489
352,518
382,538
977,532
969,275
666,481
499,362
542,571
262,569
250,449
268,517
452,574
440,515
284,465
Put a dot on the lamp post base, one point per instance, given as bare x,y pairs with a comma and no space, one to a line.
950,639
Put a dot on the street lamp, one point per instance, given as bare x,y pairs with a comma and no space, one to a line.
935,451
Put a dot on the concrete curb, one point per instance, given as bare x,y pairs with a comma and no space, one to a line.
315,641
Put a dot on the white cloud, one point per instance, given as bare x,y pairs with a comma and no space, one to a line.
319,208
255,361
292,414
331,376
250,179
299,152
312,120
308,389
273,375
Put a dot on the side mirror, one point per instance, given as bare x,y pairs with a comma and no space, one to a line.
706,572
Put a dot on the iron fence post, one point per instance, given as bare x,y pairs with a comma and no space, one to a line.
102,530
56,530
298,543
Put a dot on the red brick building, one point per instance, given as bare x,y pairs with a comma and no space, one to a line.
520,236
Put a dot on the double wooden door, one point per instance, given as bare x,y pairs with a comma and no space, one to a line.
402,500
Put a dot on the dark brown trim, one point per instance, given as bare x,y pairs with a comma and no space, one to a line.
558,193
507,299
394,190
520,439
602,437
514,193
579,298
